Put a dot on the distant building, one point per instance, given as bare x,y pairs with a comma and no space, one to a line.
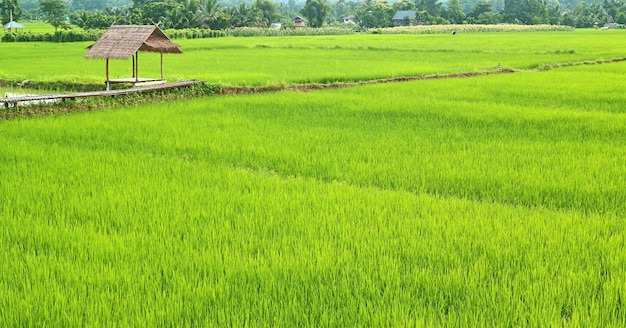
349,19
298,21
612,25
400,18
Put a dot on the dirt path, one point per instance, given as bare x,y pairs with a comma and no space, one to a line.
337,85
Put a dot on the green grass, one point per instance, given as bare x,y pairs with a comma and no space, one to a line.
488,201
288,60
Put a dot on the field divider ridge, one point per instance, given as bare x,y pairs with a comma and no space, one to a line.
547,67
337,85
306,87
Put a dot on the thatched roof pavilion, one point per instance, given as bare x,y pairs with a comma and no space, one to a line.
125,41
12,25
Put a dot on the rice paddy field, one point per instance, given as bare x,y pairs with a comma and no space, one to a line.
495,200
288,60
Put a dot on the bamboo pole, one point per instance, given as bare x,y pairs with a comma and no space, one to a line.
108,84
137,67
161,65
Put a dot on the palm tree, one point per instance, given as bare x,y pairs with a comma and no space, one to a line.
177,18
243,15
203,13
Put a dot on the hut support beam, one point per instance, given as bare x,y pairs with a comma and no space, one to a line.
107,75
161,66
137,66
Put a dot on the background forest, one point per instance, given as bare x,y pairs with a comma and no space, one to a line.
224,14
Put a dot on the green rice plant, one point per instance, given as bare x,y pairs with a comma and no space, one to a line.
194,33
59,36
469,28
488,201
298,31
258,61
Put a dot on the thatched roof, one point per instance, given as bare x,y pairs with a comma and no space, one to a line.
122,41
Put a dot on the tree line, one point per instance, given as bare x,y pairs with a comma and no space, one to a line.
213,14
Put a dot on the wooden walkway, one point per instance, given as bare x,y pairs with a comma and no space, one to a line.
15,101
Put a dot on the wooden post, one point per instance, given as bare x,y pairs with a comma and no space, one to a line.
161,65
137,67
133,65
108,85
